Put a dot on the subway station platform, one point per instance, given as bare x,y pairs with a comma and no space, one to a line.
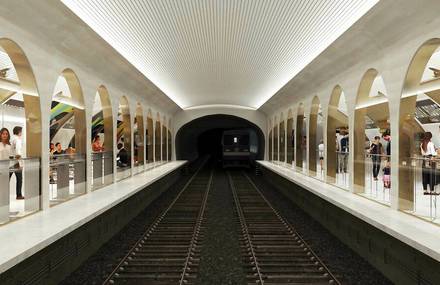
415,232
25,237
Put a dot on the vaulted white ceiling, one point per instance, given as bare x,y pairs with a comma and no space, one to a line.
226,52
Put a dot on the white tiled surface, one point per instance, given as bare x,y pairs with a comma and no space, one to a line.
22,238
413,231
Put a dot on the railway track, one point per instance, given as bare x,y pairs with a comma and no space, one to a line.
168,252
272,251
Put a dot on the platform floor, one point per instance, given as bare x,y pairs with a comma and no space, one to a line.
24,237
419,234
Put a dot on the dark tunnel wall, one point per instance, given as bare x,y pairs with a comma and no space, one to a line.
202,129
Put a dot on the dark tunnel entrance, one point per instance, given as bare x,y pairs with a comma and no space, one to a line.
204,136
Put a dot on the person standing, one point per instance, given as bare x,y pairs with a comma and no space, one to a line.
58,149
387,137
96,144
376,151
17,152
427,150
344,152
321,153
5,144
122,158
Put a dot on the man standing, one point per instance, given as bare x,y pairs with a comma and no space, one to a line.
17,151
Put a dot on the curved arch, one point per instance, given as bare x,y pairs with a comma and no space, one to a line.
371,103
150,135
164,138
169,141
275,139
270,138
107,116
24,82
124,137
187,137
336,120
157,139
282,138
69,103
102,122
300,133
139,157
313,135
28,87
67,109
290,139
408,126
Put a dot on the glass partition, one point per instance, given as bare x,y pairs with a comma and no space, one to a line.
67,168
123,138
67,177
316,141
20,185
290,141
102,169
419,134
337,144
169,145
282,140
157,142
20,134
301,140
102,140
275,141
372,140
138,134
149,141
270,146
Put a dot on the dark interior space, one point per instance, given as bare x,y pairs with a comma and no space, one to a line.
209,143
203,136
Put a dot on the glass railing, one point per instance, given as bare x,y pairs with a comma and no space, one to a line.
102,169
319,165
67,177
377,181
20,188
342,169
421,191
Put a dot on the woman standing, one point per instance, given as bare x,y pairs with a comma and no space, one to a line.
427,150
5,145
376,151
6,153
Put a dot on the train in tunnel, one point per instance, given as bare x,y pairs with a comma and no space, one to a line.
236,149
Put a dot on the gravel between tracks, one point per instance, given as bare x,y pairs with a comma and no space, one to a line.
221,260
339,258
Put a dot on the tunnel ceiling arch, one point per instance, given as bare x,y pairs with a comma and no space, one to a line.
186,136
236,35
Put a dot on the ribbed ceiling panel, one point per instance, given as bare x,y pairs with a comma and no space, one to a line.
204,52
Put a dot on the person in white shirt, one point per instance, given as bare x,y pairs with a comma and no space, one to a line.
17,152
427,149
321,153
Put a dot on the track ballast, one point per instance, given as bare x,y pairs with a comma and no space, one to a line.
169,250
272,251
